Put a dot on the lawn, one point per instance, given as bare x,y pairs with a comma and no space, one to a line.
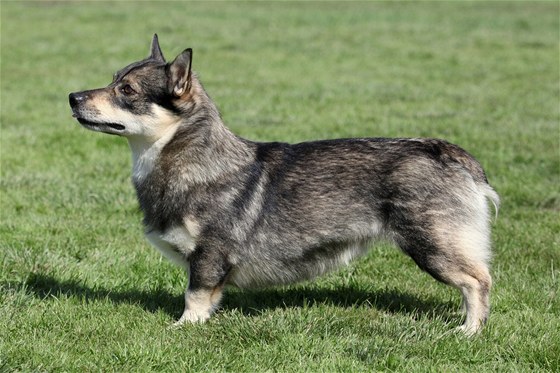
81,290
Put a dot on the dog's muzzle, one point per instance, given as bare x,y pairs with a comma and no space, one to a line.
76,101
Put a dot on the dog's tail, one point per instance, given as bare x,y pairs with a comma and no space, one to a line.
474,168
491,194
481,181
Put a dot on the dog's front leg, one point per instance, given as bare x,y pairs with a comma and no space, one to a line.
207,275
200,304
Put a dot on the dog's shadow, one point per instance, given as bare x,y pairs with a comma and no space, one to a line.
250,303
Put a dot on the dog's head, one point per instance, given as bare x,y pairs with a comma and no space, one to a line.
144,99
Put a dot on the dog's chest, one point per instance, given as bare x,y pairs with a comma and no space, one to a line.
175,243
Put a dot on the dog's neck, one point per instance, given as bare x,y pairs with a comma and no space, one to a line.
145,153
198,149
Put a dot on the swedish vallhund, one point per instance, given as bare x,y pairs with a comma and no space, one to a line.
250,214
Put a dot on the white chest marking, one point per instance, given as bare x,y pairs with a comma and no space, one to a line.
144,155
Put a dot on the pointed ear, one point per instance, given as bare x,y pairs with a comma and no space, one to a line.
155,51
179,73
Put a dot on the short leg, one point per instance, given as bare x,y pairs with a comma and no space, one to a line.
200,304
474,282
476,297
208,271
453,266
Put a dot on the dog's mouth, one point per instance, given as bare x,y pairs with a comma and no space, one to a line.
95,125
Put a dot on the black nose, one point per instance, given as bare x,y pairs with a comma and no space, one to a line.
76,98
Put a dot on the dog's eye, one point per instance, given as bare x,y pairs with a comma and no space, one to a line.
127,89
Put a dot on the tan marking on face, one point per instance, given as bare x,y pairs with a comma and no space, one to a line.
94,106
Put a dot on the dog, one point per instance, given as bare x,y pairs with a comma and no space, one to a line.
250,214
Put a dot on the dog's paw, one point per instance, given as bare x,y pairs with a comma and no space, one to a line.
192,317
468,330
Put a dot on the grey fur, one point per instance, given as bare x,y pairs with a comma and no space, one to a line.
234,211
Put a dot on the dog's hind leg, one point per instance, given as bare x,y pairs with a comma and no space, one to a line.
208,271
474,281
476,298
457,263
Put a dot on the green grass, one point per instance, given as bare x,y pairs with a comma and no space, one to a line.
80,289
